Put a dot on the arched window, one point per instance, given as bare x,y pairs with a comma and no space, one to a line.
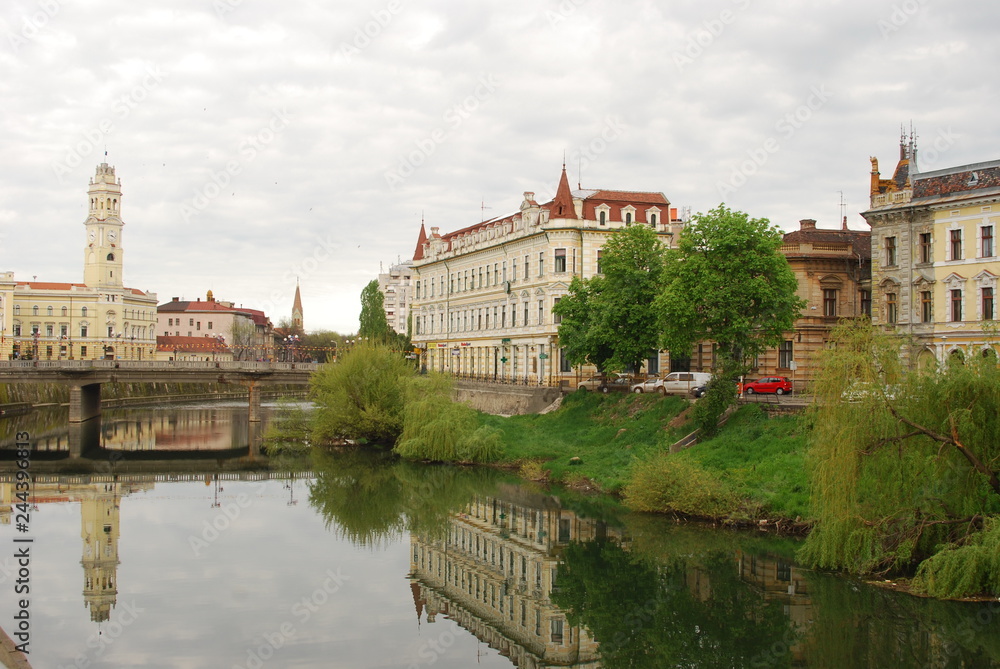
628,218
34,310
652,220
64,311
604,218
17,309
48,310
83,312
111,257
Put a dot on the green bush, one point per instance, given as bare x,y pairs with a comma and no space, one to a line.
963,569
361,396
436,428
666,483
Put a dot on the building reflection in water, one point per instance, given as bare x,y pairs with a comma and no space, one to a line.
493,573
494,569
99,532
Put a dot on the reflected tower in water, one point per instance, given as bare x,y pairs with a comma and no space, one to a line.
493,572
99,516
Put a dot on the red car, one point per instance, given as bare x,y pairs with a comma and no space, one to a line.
768,384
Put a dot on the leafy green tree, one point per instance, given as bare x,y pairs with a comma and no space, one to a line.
323,345
726,282
373,324
362,396
609,321
906,469
580,333
633,266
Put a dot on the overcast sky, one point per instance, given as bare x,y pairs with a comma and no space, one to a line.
259,141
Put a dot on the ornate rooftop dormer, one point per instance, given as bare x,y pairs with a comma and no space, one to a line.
899,188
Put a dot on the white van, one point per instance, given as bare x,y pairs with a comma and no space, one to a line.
681,383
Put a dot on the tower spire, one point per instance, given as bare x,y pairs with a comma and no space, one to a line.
297,309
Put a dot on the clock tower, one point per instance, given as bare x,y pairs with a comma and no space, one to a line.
102,266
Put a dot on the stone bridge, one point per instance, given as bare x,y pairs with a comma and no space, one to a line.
84,377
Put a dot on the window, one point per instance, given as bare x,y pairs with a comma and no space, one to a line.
83,351
785,354
17,329
541,263
987,241
417,289
560,260
198,327
866,302
830,302
170,321
557,630
503,316
48,330
190,321
541,311
63,330
496,323
890,251
652,220
83,312
926,311
527,260
628,218
513,315
210,325
525,314
956,244
988,311
504,270
890,308
34,310
17,309
513,269
111,257
925,247
600,252
556,318
83,330
64,310
48,310
603,218
956,306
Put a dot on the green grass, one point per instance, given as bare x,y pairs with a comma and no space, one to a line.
607,433
762,460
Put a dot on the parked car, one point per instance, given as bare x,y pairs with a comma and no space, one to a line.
778,385
647,386
606,384
681,383
699,391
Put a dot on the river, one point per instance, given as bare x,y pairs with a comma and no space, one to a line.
165,537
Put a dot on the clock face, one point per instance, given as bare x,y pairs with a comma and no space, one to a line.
112,236
92,236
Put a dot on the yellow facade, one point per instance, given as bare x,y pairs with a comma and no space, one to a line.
99,318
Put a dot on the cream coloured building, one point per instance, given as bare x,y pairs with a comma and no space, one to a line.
483,295
934,256
99,318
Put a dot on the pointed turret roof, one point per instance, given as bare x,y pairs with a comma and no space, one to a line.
562,205
418,253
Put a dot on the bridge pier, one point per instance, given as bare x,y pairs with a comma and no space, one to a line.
84,402
253,396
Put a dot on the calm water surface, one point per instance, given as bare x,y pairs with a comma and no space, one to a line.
164,538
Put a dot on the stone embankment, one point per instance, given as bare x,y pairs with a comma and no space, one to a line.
504,399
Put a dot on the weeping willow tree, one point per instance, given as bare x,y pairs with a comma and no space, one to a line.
361,396
438,429
904,466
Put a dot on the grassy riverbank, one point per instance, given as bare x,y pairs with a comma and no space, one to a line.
756,464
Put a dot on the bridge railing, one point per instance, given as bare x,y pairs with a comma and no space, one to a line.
146,365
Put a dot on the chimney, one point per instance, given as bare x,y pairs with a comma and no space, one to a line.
434,231
844,226
529,196
673,213
807,224
175,299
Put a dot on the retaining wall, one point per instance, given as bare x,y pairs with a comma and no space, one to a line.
503,399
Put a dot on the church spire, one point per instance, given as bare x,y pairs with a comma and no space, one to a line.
418,253
297,309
